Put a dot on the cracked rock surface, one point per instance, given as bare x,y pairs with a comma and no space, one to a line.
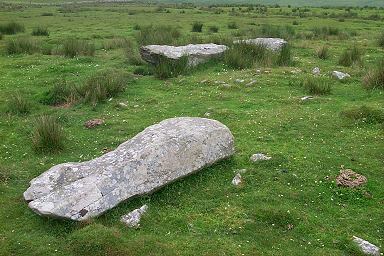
158,155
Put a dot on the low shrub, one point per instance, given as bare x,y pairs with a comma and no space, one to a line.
166,68
18,104
316,85
351,56
11,28
380,40
197,27
374,79
233,25
75,47
40,31
158,35
364,114
62,92
20,45
213,29
323,52
103,85
48,135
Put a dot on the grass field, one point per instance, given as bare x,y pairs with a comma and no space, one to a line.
289,205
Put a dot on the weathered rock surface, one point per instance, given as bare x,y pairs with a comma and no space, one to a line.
349,178
273,44
132,219
158,155
237,180
259,157
340,75
316,71
197,53
367,247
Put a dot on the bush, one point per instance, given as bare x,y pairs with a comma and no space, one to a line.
380,40
103,85
375,78
40,31
48,135
11,28
21,45
18,104
351,56
74,47
197,27
232,25
323,52
158,35
98,240
61,93
364,114
213,29
166,68
316,85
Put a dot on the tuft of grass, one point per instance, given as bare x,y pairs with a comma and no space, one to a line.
62,92
132,54
213,29
40,31
5,174
325,31
374,79
20,45
284,57
166,68
96,239
11,28
323,52
48,135
351,56
316,85
380,40
143,71
1,36
158,35
116,43
197,27
364,114
103,85
18,104
243,55
74,47
285,32
233,25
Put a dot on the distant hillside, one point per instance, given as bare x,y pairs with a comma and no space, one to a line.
377,3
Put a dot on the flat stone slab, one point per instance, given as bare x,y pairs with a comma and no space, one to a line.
197,53
273,44
367,247
160,154
340,75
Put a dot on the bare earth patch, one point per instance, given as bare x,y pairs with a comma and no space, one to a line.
349,178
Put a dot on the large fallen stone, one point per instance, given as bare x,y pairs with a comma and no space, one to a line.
273,44
156,156
197,53
367,247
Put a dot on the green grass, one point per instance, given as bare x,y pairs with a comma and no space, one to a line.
48,135
287,206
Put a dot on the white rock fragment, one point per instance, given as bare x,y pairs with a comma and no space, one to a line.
305,98
259,157
367,247
340,75
132,219
237,180
316,71
240,81
252,82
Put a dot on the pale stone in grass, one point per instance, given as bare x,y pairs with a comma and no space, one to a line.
197,53
93,123
160,154
340,75
237,180
259,157
316,71
367,247
132,219
273,44
305,98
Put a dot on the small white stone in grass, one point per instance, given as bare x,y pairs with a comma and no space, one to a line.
367,247
340,75
239,80
306,98
237,180
132,219
252,82
259,157
122,105
316,71
207,114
